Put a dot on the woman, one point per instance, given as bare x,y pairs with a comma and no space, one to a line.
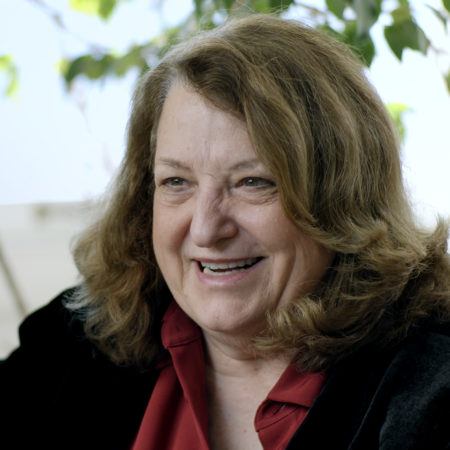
257,279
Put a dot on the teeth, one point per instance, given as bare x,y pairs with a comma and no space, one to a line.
229,266
219,274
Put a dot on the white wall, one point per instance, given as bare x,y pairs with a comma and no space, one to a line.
35,240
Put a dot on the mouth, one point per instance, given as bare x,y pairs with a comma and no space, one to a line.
224,268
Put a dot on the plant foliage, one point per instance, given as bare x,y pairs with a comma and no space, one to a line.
349,20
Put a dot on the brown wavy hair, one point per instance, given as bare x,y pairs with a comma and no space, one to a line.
324,134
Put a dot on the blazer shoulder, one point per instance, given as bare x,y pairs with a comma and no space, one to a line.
65,392
417,385
428,351
51,321
52,329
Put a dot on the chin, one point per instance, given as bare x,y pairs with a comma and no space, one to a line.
233,320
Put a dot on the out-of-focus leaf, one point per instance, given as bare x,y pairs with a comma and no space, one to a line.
337,7
440,16
198,7
9,68
397,112
260,6
102,8
5,62
447,80
91,67
12,87
228,4
401,14
106,8
362,45
446,4
367,13
405,34
279,6
133,58
99,67
85,6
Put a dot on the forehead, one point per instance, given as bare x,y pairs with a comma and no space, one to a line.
193,130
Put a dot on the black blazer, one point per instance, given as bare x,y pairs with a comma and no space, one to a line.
58,392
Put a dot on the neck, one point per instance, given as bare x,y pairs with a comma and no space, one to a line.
233,359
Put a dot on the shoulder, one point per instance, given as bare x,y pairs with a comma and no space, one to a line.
52,330
52,320
422,363
427,345
385,399
421,368
51,344
56,384
416,391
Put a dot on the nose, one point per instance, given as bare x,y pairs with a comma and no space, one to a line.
212,221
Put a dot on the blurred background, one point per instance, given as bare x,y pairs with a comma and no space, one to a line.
67,73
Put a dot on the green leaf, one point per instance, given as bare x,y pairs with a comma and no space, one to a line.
440,16
269,6
363,46
132,58
367,13
279,6
9,68
87,65
198,8
446,4
228,4
397,112
85,6
260,6
102,8
447,81
401,14
106,8
337,7
406,34
13,87
5,62
99,67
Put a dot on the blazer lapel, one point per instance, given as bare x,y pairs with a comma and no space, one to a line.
343,406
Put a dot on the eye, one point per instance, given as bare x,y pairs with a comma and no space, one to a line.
174,182
256,182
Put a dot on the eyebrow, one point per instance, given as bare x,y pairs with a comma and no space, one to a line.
242,165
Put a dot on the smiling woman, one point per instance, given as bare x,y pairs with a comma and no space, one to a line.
256,279
223,243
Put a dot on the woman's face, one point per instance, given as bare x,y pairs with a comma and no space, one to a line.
222,241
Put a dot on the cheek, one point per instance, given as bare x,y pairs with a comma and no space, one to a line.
297,253
167,231
313,260
274,229
160,233
266,222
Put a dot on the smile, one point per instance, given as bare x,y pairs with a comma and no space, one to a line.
223,268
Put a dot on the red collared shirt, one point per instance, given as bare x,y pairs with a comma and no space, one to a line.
176,417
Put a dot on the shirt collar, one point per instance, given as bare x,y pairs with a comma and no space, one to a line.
296,387
293,386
